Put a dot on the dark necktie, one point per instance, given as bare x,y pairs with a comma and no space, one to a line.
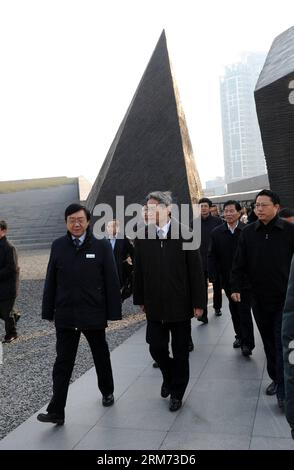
76,242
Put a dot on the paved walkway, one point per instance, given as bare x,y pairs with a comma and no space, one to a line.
225,406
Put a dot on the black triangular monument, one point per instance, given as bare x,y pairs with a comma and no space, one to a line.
151,150
274,98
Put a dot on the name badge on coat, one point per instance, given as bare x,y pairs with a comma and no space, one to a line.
90,255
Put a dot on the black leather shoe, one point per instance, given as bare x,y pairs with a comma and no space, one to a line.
50,418
175,404
281,403
9,339
165,391
246,351
203,319
237,343
271,389
218,312
155,365
191,345
108,400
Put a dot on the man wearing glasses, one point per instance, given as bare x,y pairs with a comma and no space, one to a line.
81,293
264,254
169,287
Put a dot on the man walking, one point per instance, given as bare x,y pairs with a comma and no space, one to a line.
169,287
81,293
288,349
264,254
123,252
222,248
9,278
208,223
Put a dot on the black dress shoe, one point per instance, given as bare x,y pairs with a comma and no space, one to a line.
191,345
165,391
175,404
155,365
50,418
108,400
246,351
218,312
203,319
271,389
237,343
9,339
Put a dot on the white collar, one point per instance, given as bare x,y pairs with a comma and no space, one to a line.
164,229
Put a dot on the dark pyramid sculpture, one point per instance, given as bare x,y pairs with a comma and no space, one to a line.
152,149
274,98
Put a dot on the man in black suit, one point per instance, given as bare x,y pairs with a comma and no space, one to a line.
208,223
9,277
169,287
81,294
221,252
264,254
123,252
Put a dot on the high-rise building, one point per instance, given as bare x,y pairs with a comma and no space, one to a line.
243,152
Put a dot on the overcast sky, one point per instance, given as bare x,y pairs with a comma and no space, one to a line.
69,70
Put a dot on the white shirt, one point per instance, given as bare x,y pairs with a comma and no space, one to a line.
164,229
112,242
232,229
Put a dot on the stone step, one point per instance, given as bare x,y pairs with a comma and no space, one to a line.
33,246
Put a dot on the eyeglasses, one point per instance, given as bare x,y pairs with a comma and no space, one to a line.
262,205
80,221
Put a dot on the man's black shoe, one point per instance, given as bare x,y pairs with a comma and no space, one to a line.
9,339
50,418
165,391
271,389
246,351
191,345
108,400
218,312
237,343
175,404
155,365
203,319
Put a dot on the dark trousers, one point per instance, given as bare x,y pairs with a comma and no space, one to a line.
67,341
217,294
268,317
175,370
241,317
6,313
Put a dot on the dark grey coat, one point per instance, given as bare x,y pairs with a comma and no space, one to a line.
168,280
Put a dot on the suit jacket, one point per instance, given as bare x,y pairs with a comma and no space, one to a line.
122,249
9,270
168,280
222,248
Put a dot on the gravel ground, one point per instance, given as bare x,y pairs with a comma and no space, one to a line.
25,375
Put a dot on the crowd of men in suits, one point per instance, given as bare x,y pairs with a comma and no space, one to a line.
88,278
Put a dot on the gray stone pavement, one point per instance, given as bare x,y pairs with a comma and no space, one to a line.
225,406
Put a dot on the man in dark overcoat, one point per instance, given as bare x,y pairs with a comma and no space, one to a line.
169,287
81,294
